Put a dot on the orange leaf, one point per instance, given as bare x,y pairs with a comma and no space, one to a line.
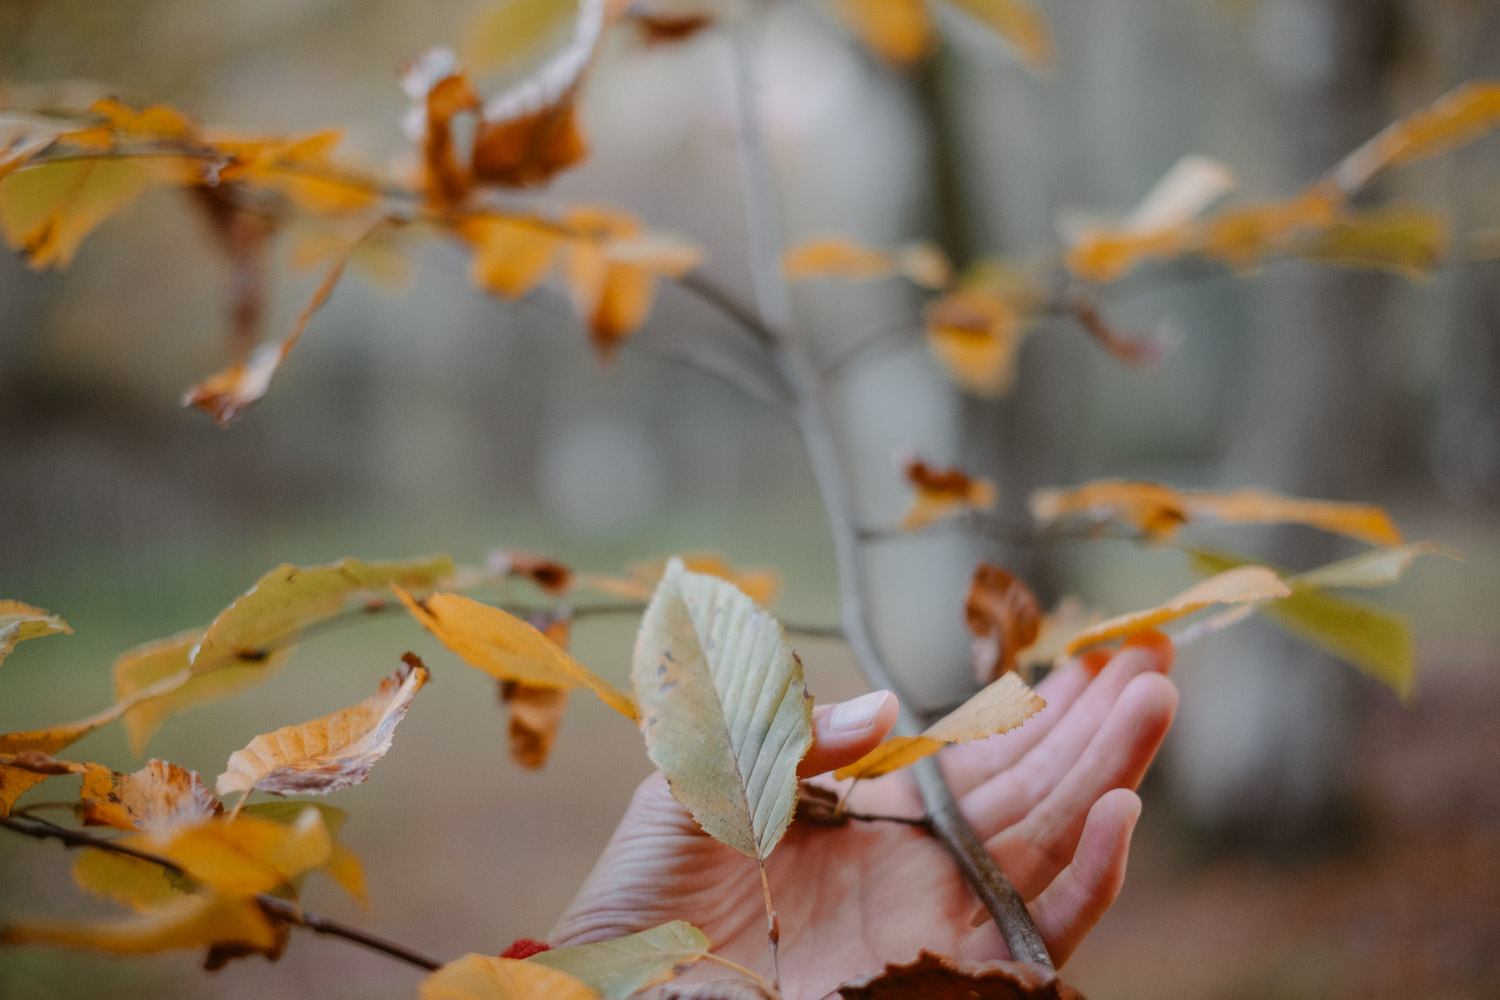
328,753
899,31
22,621
440,92
481,977
23,136
998,708
22,768
507,648
613,298
759,584
511,256
836,257
536,711
1158,511
159,795
227,394
943,493
227,925
1004,618
975,334
1453,120
549,574
1243,585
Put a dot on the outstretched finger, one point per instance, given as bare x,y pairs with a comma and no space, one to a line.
1070,907
847,730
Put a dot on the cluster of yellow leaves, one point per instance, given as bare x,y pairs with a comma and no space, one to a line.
902,31
942,493
1316,223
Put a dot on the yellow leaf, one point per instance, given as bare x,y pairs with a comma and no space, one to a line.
331,752
1158,511
301,169
47,210
725,713
1246,235
19,622
243,854
156,121
507,648
943,493
141,885
836,257
480,977
1020,24
159,795
1453,120
201,920
975,335
23,767
342,865
613,298
163,666
1408,241
290,598
899,31
511,256
998,708
1242,585
513,31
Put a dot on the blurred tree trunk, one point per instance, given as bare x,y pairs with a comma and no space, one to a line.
1263,734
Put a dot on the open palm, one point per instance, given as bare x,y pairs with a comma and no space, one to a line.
1053,801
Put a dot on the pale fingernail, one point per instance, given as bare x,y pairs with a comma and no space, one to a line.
848,716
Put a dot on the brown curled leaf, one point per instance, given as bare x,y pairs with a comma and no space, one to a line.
1003,617
937,977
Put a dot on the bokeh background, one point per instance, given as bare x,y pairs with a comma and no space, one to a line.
1306,834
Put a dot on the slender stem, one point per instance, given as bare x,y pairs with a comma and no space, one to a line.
1000,898
760,980
773,929
281,909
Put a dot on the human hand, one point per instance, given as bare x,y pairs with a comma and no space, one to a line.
1053,801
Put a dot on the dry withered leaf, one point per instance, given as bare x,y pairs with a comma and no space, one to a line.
549,574
1003,617
975,334
999,707
1139,351
245,237
159,795
1241,585
227,394
613,298
440,92
22,753
1158,511
482,977
22,768
328,753
536,710
301,169
19,622
942,493
937,977
507,648
724,710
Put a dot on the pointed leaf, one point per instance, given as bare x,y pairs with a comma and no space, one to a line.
243,854
159,795
998,708
725,714
21,621
975,335
46,210
329,753
1378,568
1242,585
621,968
507,648
201,920
760,584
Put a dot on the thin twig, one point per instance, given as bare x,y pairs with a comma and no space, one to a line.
872,345
281,909
979,869
760,980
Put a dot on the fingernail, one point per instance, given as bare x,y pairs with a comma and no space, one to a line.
848,716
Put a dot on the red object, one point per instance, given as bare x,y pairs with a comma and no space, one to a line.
525,948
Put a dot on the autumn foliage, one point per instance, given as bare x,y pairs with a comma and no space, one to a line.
715,685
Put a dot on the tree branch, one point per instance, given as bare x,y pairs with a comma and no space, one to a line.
281,909
1000,898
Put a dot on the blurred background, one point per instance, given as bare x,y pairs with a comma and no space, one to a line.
1306,835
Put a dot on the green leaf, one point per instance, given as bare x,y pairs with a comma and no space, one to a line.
623,967
724,710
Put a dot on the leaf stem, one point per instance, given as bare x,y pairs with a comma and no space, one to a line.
281,909
756,977
773,929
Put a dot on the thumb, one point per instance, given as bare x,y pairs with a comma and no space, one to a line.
847,730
